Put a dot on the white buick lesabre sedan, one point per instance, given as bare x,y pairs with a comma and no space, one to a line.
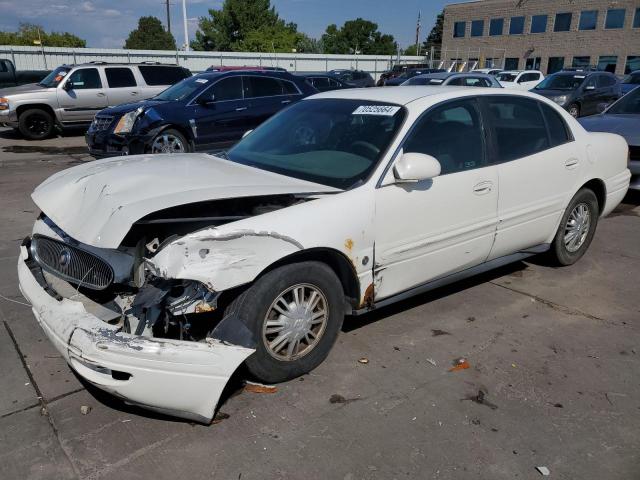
157,276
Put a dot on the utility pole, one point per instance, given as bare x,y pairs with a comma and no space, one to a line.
184,21
418,34
168,16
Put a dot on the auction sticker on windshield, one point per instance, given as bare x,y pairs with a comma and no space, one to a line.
385,110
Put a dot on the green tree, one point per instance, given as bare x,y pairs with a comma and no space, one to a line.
358,35
29,33
150,35
434,39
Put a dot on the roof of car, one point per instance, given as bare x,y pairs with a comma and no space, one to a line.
404,95
445,75
120,64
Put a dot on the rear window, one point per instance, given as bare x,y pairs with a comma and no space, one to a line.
267,87
120,77
162,75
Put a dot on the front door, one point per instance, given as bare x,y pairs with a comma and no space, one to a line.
81,95
433,228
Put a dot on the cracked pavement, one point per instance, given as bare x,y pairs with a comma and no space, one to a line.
553,355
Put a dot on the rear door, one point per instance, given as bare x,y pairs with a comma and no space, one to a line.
538,167
158,77
220,113
84,96
608,88
267,95
122,85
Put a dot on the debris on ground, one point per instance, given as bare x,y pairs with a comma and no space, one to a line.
85,409
259,388
432,362
336,398
220,416
481,399
363,360
460,364
543,470
436,332
471,319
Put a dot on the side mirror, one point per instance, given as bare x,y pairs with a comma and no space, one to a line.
589,87
68,85
246,133
204,100
415,167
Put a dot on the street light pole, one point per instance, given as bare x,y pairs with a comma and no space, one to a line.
184,22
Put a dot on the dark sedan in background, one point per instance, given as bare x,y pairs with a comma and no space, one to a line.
324,82
205,112
355,78
623,118
580,92
410,73
630,82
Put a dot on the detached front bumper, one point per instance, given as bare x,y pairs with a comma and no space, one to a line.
107,144
179,378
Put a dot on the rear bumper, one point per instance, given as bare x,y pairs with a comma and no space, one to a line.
179,378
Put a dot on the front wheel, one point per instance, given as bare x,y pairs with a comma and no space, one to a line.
577,228
574,110
169,141
295,313
36,124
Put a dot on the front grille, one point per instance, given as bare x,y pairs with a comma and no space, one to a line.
634,152
101,123
71,263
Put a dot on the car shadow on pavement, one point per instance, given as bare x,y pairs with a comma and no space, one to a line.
14,134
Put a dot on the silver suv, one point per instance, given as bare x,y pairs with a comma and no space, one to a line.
72,94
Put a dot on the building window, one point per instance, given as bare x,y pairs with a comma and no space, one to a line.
496,26
477,28
539,24
636,19
555,65
511,63
607,63
581,62
615,18
563,22
489,62
588,20
532,63
516,26
633,64
459,29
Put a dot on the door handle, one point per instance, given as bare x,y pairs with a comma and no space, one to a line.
241,109
100,94
571,163
483,188
284,102
134,93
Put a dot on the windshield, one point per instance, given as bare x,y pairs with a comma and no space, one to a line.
335,142
55,77
183,89
507,77
633,79
630,103
561,82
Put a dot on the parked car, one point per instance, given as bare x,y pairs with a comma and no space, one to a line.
323,81
580,93
10,77
214,68
623,118
207,111
155,277
71,95
520,79
357,78
488,71
397,70
629,82
463,79
410,73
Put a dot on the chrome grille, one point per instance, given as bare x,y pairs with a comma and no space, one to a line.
100,123
71,263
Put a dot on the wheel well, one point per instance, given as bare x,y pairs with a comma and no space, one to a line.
180,129
41,106
336,260
597,186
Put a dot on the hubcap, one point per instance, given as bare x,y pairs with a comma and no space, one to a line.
577,227
37,124
167,143
295,322
573,111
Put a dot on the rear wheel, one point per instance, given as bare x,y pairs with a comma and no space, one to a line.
169,141
36,124
574,110
577,228
295,313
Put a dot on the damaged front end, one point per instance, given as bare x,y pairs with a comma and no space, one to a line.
130,325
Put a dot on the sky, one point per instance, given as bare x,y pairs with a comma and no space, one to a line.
107,23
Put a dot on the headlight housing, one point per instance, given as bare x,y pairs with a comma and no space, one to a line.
560,100
4,103
125,124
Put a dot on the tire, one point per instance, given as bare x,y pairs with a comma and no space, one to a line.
255,306
169,141
574,110
36,124
565,252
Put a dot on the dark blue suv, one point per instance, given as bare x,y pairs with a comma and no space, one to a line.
204,112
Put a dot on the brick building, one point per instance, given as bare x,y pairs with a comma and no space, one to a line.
543,34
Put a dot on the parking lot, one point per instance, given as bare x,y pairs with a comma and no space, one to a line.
553,355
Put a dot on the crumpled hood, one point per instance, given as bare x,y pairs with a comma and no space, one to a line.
627,126
96,203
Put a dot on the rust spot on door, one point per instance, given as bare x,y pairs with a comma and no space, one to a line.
367,301
348,244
